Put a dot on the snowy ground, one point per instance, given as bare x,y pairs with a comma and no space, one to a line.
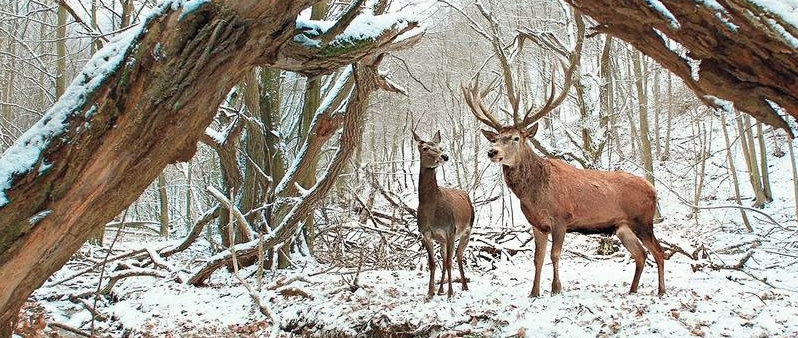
759,301
724,283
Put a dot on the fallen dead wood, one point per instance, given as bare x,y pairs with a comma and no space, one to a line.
69,329
196,230
116,276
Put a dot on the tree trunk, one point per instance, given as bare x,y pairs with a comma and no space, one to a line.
60,51
746,142
666,151
351,124
163,198
733,172
642,108
763,163
794,174
140,104
645,140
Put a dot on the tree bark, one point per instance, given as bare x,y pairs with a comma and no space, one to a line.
742,57
127,117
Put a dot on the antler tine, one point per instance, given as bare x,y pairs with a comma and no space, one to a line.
573,60
473,98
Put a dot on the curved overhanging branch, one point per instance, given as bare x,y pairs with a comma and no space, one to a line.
738,51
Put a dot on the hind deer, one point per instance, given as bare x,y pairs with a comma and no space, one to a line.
444,215
557,198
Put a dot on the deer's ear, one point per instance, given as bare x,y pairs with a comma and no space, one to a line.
437,138
415,137
491,136
532,130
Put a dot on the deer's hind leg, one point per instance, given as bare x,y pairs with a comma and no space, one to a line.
460,248
651,243
632,244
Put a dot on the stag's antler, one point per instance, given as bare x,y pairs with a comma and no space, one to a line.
473,98
573,60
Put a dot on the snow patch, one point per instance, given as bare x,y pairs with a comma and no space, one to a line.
660,7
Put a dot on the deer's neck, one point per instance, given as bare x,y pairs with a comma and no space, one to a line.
529,176
428,189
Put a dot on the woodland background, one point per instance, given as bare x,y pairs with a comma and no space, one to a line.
714,169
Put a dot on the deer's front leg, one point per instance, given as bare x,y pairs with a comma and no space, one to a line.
540,254
426,241
557,239
444,247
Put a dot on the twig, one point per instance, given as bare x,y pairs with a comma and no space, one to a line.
737,266
70,329
263,308
776,223
98,264
96,314
102,267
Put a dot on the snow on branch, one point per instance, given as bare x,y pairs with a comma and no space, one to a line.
318,43
26,154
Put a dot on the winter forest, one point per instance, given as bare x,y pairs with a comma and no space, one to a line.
398,168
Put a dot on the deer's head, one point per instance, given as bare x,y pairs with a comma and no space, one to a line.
507,143
431,152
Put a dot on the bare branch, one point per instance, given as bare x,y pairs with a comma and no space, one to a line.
573,59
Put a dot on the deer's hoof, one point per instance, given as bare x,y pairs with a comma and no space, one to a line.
465,287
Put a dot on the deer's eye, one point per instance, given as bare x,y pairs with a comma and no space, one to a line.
425,148
516,138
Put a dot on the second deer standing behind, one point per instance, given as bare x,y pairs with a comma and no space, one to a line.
444,215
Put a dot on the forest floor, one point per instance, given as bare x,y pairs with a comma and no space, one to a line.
710,296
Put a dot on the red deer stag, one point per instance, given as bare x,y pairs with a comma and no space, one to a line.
444,215
557,198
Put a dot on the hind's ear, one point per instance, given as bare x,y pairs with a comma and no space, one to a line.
491,136
415,137
437,138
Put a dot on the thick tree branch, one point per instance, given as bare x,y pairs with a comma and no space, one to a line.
737,54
